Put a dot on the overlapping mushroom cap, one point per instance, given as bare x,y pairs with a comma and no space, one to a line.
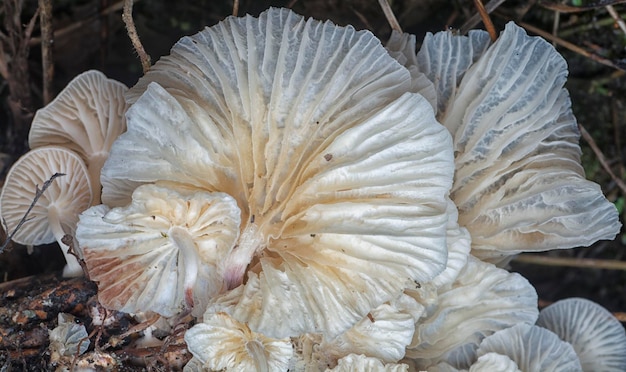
340,175
595,334
519,185
161,252
86,117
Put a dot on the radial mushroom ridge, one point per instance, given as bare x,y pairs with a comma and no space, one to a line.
341,177
519,184
161,252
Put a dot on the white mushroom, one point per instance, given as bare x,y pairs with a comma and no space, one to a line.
340,176
161,252
597,336
532,348
86,117
519,185
56,212
221,343
483,299
354,362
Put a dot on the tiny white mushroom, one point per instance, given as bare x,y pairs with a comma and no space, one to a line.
56,212
86,117
358,362
224,344
597,336
161,252
532,348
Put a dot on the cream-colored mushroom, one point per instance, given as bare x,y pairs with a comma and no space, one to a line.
482,300
224,344
86,117
341,176
162,252
519,185
56,212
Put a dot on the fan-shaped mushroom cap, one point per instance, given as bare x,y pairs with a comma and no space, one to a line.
354,362
532,348
597,336
483,299
224,344
161,252
340,176
86,117
56,212
519,185
383,334
402,48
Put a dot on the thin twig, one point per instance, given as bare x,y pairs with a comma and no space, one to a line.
586,263
47,62
617,18
38,193
235,7
127,16
391,18
564,8
601,158
484,15
476,18
564,43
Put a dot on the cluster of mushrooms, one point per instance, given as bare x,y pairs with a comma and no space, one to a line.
317,200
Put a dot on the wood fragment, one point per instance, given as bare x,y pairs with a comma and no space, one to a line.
585,263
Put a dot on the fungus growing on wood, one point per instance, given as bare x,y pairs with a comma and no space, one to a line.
86,117
56,212
233,109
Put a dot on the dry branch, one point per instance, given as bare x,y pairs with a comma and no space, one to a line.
127,16
47,61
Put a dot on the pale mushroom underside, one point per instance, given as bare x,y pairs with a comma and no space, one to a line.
327,131
519,185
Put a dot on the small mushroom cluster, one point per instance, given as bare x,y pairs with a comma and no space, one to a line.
69,138
318,201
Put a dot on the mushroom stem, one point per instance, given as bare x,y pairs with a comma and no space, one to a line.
236,263
257,352
94,166
187,248
72,268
